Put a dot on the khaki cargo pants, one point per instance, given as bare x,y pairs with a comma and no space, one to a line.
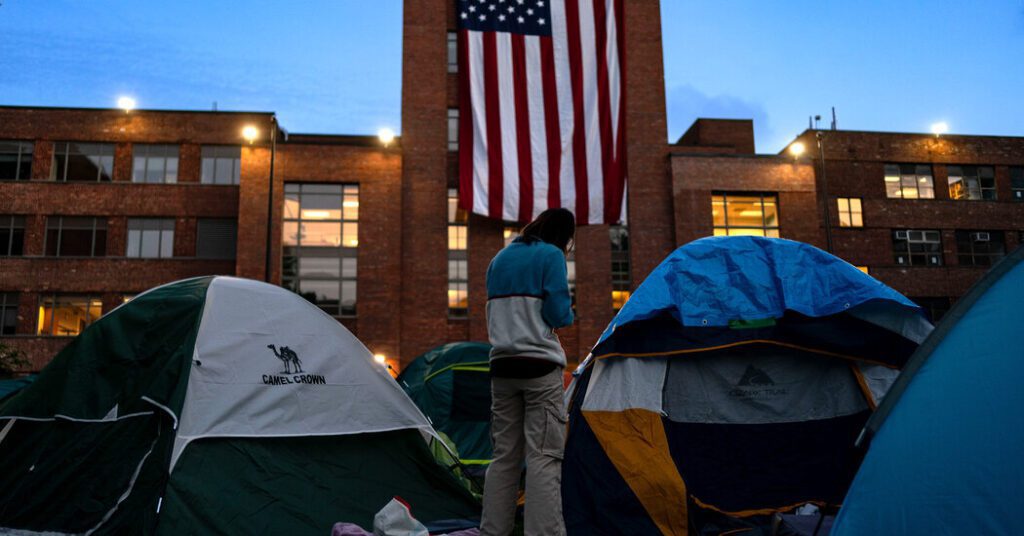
528,420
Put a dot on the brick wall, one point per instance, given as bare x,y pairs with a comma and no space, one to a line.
855,167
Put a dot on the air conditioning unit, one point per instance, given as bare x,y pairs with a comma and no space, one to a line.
902,235
980,237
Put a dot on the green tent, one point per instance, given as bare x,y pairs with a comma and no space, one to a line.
215,406
451,384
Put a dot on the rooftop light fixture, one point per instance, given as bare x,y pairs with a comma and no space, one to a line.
250,132
796,149
940,128
126,103
386,136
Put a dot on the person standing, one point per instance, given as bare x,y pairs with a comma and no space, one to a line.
527,298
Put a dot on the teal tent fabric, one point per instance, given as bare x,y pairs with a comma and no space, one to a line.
452,387
716,281
945,453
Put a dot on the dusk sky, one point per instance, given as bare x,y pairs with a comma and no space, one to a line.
335,66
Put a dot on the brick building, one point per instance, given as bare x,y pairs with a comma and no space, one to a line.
99,205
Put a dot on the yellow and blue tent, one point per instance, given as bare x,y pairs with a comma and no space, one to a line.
732,385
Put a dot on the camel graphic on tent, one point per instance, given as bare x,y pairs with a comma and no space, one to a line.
288,357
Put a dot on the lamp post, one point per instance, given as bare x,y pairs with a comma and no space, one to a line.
250,133
270,196
820,137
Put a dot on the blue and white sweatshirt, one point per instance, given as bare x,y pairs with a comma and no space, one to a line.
527,298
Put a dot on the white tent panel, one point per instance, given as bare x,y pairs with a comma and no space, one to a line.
269,363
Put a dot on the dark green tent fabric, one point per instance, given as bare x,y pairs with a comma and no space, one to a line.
327,479
98,452
451,385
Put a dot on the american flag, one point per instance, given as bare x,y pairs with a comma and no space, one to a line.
541,122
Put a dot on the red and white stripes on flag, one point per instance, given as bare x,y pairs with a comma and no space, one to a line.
541,108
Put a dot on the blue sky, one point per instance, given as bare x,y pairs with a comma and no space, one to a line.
335,66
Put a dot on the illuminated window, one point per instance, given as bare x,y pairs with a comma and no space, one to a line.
973,183
12,236
67,316
150,238
320,242
221,164
909,181
917,248
1017,183
864,269
745,214
453,52
155,163
458,258
125,298
76,236
570,270
15,160
510,234
980,248
621,281
84,162
453,129
850,214
8,313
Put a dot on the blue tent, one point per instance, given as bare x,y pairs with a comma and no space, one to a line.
731,386
945,446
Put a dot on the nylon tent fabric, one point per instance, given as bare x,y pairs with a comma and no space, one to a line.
216,368
88,442
303,485
716,280
945,456
451,384
736,380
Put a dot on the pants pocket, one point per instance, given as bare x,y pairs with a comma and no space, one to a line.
553,443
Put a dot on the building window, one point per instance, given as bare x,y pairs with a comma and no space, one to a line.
216,238
745,214
221,164
85,162
320,239
155,164
67,316
909,181
935,308
458,257
76,236
864,269
850,213
1017,183
12,236
917,248
150,238
8,313
453,52
570,271
453,129
972,183
15,160
979,248
510,234
621,280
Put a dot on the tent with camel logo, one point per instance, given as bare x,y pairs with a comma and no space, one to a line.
216,405
732,385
